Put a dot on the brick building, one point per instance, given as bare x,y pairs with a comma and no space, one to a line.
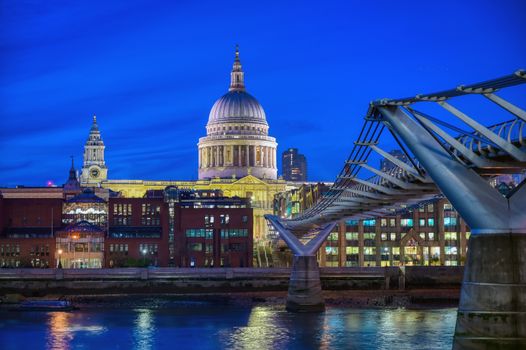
73,227
431,234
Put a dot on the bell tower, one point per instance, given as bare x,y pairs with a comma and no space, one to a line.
94,169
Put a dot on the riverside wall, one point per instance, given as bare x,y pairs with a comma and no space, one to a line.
38,282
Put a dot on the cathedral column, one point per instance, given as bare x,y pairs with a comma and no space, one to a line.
263,156
217,156
247,155
238,155
222,154
199,158
265,163
256,151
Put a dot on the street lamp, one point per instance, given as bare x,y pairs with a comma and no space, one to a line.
59,260
144,251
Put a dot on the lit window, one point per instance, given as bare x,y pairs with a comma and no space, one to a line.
450,221
406,222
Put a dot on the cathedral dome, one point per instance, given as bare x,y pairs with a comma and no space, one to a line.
237,142
237,107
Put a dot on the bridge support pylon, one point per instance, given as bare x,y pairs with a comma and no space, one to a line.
492,307
304,294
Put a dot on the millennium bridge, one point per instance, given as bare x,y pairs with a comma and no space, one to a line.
450,153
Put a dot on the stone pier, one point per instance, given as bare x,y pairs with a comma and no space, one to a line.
305,286
492,308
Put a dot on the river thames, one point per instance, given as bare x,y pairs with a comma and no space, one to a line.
204,325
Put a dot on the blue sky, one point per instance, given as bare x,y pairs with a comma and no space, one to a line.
151,71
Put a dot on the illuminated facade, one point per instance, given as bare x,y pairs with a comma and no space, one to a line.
431,234
94,169
260,192
236,157
294,165
237,142
41,227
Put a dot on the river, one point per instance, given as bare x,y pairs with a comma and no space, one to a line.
207,325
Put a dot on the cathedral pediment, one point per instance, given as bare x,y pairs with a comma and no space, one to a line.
249,179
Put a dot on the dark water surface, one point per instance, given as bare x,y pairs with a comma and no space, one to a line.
202,325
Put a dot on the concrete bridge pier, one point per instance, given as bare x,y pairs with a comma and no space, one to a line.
304,293
492,308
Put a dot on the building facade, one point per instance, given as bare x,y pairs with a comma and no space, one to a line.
294,165
95,227
431,234
94,169
237,142
237,156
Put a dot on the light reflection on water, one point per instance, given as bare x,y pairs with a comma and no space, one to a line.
215,326
144,330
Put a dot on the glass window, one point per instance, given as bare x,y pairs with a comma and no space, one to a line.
451,250
450,236
392,222
450,221
406,222
351,236
369,235
224,219
351,250
369,250
209,219
196,247
422,222
331,250
430,222
369,222
383,222
333,236
351,222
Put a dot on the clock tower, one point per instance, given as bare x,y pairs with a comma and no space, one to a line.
94,169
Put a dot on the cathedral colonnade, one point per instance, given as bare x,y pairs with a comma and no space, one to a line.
252,155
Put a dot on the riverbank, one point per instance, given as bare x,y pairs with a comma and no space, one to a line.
148,281
411,299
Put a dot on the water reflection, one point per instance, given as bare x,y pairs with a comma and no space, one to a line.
269,328
63,327
60,335
261,331
144,330
219,326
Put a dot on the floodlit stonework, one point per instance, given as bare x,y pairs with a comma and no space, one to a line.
237,142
